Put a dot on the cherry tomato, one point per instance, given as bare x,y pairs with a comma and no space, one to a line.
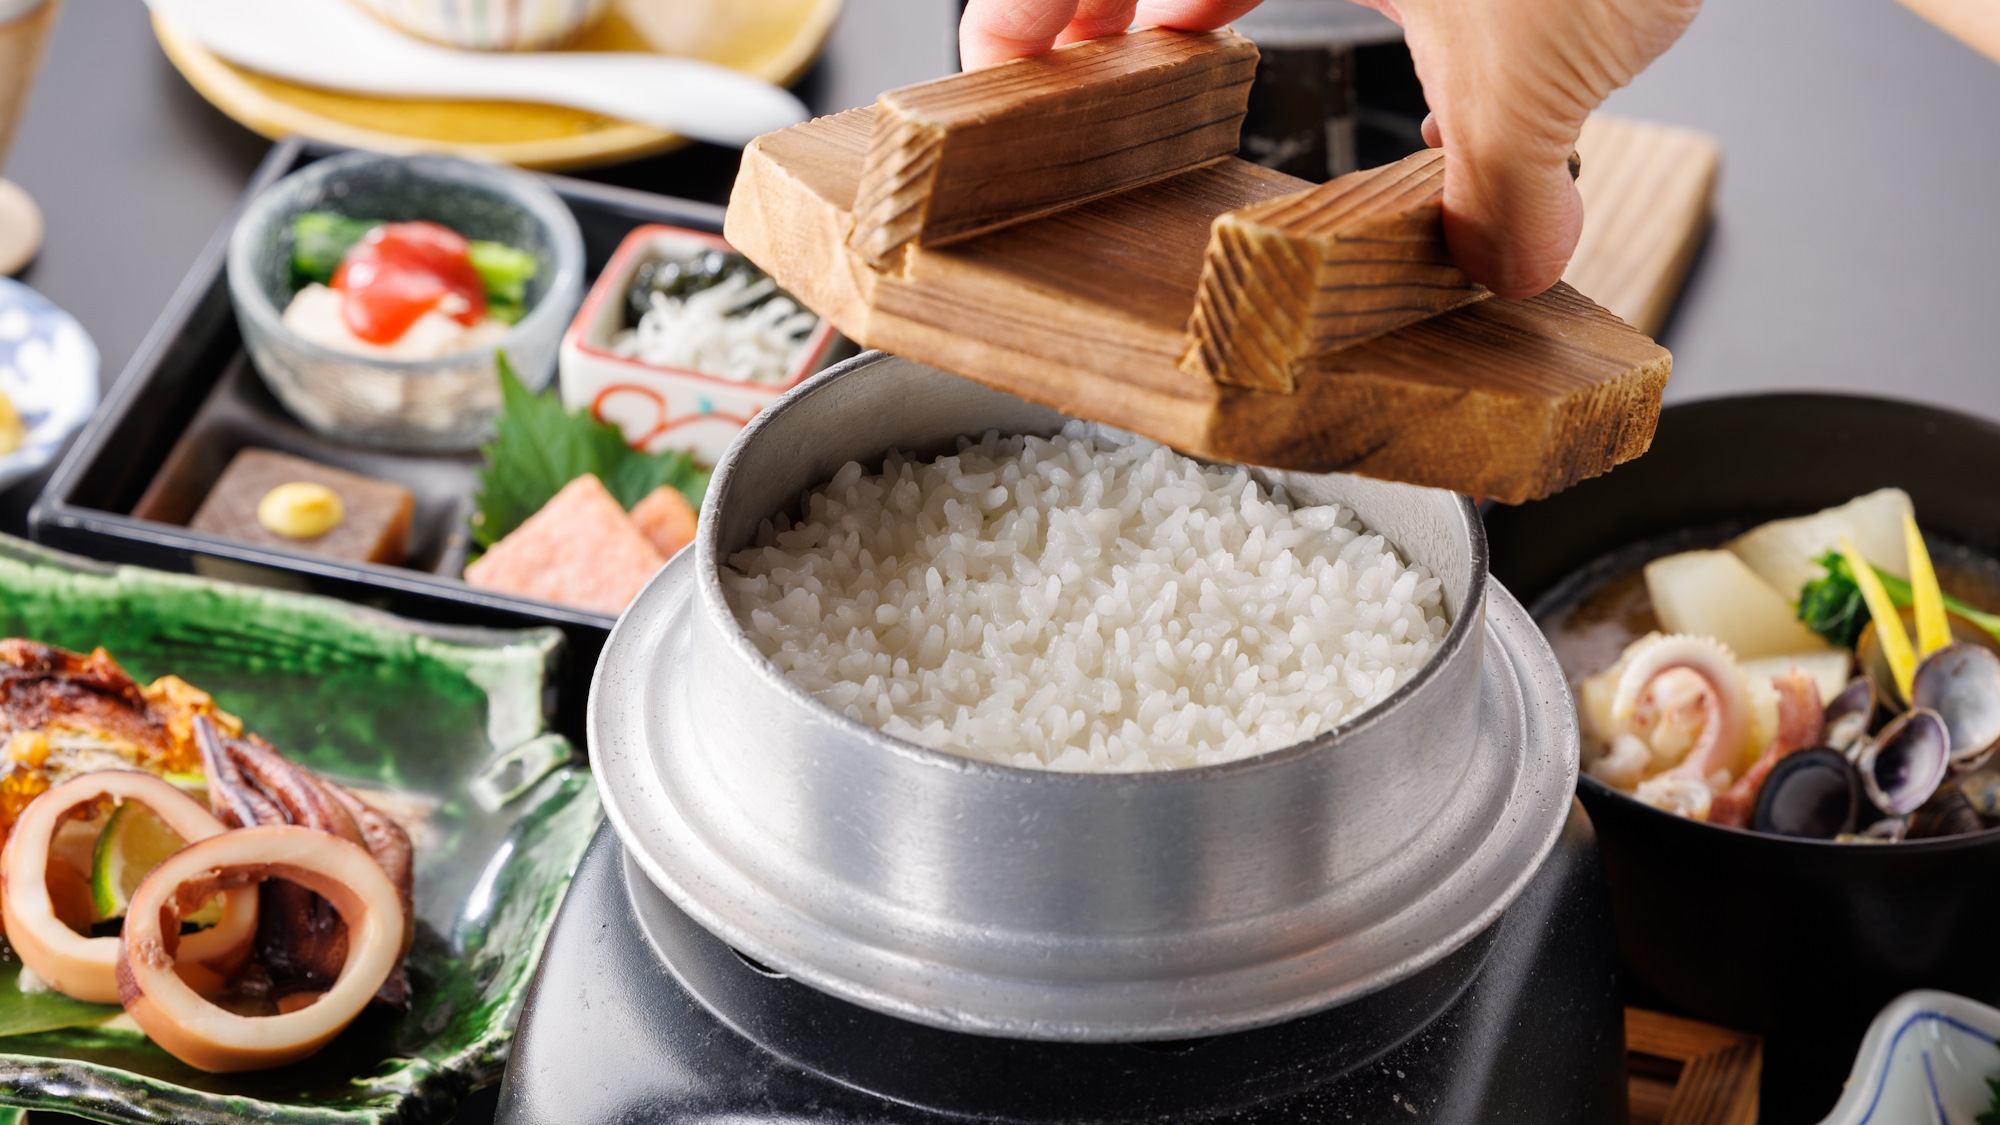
400,271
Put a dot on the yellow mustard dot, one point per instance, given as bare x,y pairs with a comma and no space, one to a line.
300,510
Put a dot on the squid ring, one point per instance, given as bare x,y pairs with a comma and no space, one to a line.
205,1036
85,968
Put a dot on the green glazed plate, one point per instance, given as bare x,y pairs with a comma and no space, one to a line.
452,718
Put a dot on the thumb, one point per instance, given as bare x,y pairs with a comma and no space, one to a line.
1509,84
1512,215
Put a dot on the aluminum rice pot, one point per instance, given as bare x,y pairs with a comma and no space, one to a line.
1033,904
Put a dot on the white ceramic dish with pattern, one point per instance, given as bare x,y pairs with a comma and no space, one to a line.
663,408
1925,1061
48,371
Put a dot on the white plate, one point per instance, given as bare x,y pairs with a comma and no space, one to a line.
1924,1061
48,370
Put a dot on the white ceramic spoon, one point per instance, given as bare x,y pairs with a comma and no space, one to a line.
333,44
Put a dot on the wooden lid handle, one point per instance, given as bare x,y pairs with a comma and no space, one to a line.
971,153
1319,270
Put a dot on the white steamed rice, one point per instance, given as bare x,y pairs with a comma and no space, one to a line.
1088,602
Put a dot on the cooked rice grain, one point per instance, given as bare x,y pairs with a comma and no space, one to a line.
1088,602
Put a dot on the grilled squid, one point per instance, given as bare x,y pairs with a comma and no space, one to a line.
85,967
175,1016
300,938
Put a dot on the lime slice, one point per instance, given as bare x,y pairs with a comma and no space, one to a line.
134,841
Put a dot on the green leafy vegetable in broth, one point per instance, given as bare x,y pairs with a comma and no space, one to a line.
538,447
1832,606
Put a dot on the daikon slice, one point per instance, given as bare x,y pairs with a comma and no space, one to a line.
1714,594
1829,669
1782,552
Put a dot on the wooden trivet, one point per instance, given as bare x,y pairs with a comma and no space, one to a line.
1076,229
1683,1072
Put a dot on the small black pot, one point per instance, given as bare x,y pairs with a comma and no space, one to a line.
1759,932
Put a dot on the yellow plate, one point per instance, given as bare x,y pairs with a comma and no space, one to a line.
772,39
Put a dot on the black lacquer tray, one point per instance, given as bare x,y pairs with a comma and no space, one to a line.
189,399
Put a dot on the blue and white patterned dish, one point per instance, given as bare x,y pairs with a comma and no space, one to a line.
1924,1061
48,370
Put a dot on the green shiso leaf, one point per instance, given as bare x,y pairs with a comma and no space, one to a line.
538,447
29,1013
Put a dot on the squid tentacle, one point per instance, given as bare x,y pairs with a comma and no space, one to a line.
301,937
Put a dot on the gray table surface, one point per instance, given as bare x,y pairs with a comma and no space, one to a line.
1856,229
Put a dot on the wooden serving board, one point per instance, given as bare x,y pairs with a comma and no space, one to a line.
1646,194
1683,1072
1087,303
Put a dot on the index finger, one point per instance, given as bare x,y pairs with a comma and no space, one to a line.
994,31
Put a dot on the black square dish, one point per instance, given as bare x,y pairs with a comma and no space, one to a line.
189,400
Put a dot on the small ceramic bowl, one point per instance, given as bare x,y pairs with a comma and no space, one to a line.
1928,1058
48,371
662,408
491,25
439,404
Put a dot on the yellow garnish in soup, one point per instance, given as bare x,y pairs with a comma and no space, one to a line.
300,510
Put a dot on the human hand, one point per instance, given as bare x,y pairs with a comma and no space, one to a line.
1509,83
995,31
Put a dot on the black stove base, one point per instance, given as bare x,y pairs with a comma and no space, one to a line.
639,1015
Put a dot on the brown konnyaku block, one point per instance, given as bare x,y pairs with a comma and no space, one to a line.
1323,269
1087,310
970,153
376,527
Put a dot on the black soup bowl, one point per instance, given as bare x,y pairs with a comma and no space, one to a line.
1763,932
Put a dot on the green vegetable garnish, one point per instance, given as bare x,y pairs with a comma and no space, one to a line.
1992,1114
1832,605
538,447
321,238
